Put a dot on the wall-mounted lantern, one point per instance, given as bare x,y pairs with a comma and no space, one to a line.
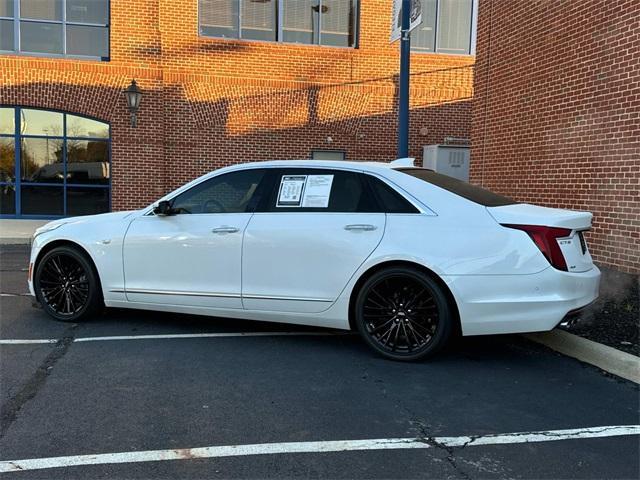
133,95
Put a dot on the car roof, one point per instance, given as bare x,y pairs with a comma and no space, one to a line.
337,164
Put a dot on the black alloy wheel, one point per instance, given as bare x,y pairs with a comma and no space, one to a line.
403,314
66,285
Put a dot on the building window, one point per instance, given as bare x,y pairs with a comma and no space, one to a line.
314,22
69,28
448,26
53,164
327,155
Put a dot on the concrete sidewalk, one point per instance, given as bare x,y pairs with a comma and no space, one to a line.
15,232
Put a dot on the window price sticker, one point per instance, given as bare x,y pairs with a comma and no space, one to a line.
317,191
309,191
291,189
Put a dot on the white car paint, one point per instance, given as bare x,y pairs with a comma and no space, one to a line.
302,268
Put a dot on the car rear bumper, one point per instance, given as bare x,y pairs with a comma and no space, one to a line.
492,304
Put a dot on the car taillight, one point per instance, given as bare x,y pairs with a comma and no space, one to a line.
546,239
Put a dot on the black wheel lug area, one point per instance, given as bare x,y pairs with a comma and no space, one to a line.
396,312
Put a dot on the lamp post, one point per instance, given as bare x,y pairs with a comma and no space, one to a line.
133,94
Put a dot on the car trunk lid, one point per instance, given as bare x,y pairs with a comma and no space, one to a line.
572,245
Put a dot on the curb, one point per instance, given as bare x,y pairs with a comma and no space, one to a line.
606,358
15,240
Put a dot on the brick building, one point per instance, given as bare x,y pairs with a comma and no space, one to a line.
557,113
224,81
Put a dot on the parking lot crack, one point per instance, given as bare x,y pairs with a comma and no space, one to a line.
11,408
429,439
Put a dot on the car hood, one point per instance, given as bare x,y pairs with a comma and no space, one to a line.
86,219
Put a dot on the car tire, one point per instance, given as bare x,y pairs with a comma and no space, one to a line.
67,285
403,314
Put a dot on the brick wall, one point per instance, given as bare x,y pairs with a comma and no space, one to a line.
211,102
556,116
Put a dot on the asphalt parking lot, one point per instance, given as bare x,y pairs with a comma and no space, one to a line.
273,401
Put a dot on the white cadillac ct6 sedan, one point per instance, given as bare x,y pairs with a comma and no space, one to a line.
403,255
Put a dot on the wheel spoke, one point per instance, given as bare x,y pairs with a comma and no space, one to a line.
401,314
406,328
381,326
387,335
76,295
424,329
57,267
419,337
381,297
395,340
63,284
67,303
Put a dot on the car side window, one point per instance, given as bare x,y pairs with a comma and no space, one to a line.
319,190
227,193
390,200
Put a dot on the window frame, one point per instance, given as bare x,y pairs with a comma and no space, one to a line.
272,185
18,183
472,39
17,40
279,28
252,204
371,179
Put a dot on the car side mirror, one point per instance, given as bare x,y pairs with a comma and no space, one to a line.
163,208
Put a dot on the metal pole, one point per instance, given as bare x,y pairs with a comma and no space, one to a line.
403,96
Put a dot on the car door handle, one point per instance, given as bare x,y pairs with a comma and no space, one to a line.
362,227
225,230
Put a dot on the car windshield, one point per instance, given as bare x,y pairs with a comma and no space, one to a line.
463,189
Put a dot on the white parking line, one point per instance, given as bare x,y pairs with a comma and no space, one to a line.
27,341
17,341
315,447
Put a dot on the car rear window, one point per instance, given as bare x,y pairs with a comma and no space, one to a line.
463,189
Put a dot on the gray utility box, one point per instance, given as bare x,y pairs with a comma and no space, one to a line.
452,160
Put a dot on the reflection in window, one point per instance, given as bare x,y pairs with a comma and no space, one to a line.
447,27
324,22
41,160
7,159
64,166
85,127
40,122
87,162
78,28
7,121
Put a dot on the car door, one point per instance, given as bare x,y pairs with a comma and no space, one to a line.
193,257
308,237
